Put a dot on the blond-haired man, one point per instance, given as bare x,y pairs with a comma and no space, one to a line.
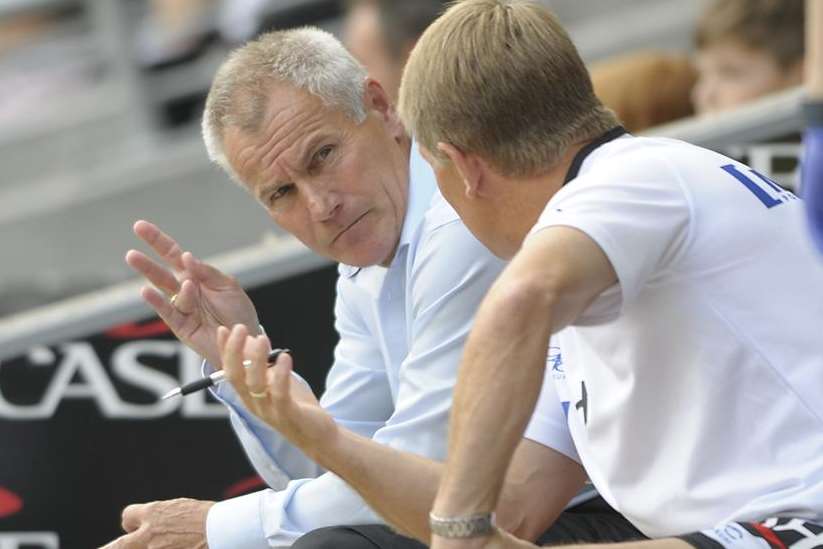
691,374
659,259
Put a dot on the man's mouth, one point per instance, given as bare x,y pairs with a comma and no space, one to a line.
352,224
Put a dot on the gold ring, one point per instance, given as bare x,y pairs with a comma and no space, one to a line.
173,299
262,394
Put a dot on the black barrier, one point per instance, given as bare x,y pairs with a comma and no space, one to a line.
84,433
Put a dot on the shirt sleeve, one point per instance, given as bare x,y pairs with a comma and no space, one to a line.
450,275
638,214
358,397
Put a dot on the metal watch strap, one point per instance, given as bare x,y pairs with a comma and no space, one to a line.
474,526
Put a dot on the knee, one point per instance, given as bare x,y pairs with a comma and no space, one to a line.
333,537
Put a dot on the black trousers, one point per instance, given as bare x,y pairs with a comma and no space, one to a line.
590,522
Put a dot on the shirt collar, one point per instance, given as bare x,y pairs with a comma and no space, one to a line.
581,155
421,188
420,191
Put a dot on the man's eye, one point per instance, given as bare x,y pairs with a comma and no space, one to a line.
280,192
323,153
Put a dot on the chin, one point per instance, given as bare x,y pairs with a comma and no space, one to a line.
367,256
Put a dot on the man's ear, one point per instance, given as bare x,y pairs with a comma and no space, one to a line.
469,167
376,99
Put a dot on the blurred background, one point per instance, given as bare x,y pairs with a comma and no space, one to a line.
100,108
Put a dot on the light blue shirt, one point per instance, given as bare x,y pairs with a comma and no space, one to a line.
402,331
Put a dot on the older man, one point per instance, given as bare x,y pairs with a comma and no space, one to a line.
295,120
684,295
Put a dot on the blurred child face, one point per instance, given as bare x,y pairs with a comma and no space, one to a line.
731,74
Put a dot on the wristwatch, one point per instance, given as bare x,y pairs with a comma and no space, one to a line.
473,526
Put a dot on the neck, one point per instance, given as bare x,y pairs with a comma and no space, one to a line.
530,194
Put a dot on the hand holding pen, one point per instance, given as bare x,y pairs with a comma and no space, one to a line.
218,377
274,395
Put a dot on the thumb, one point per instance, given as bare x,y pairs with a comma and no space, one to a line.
132,517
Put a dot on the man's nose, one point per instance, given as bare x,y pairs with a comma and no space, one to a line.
322,204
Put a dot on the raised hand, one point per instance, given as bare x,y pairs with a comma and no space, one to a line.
203,297
272,393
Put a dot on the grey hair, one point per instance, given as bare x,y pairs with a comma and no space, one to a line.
307,58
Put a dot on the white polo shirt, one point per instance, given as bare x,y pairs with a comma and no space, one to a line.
694,386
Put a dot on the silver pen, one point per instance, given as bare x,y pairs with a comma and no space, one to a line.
216,378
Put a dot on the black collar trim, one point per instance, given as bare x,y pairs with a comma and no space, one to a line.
581,155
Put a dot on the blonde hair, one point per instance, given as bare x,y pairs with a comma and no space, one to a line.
306,58
500,78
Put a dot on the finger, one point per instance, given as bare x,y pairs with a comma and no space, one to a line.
114,544
222,338
257,350
132,517
232,358
280,378
187,297
210,276
129,541
152,271
173,318
163,245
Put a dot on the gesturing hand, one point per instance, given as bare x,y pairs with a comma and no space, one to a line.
273,394
206,298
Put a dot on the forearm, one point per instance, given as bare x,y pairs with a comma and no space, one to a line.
497,388
399,486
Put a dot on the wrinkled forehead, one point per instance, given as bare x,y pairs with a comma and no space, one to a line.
291,120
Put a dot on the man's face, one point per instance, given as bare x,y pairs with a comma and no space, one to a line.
339,187
363,37
730,74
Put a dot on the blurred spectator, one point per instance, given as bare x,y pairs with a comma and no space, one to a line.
45,56
382,33
645,89
747,49
174,31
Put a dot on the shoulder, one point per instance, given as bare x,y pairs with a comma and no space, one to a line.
638,172
657,161
443,232
439,214
447,255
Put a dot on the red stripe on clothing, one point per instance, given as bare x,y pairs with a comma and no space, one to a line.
769,536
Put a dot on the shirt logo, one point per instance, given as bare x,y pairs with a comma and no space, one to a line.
554,363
